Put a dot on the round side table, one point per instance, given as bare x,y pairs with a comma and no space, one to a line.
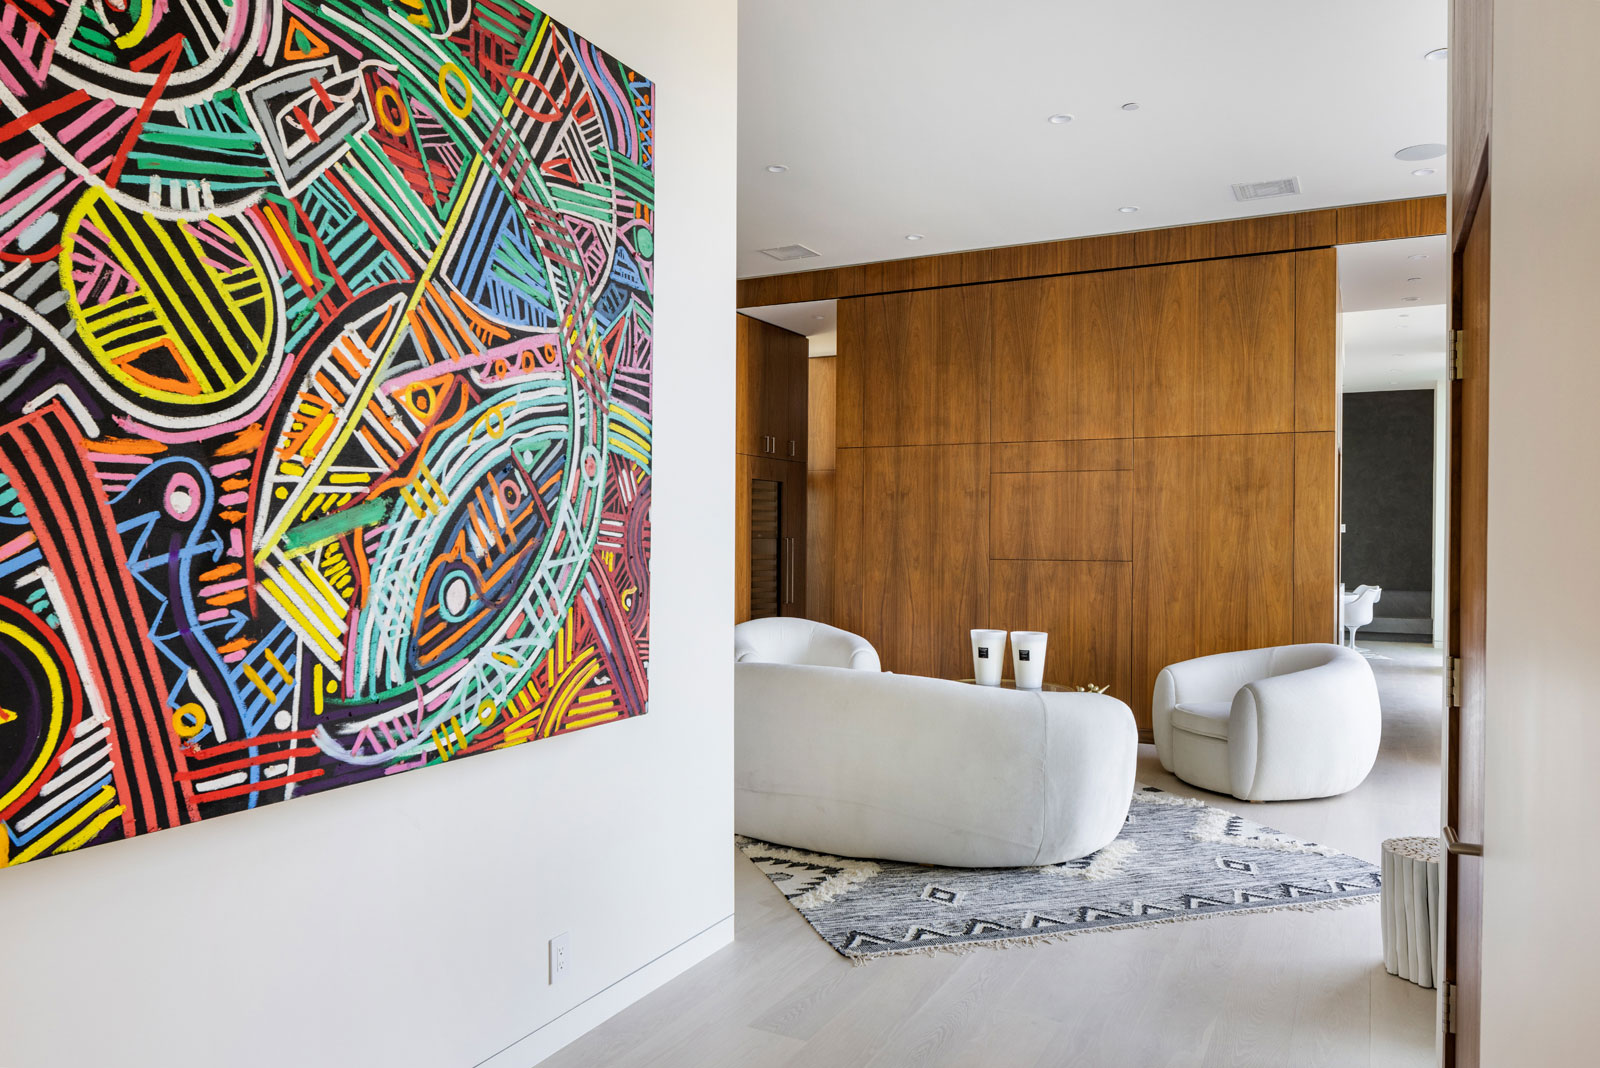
1410,906
1011,684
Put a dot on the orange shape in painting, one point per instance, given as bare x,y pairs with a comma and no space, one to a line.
300,43
6,715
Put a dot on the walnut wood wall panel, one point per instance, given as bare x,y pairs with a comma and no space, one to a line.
1105,454
1238,237
1316,341
1085,606
914,368
1392,221
1216,347
1061,515
912,554
1141,461
1062,368
1214,550
821,488
1316,538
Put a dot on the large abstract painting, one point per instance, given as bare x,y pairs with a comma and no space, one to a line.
325,378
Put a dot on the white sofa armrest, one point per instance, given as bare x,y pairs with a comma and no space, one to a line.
1205,679
1308,733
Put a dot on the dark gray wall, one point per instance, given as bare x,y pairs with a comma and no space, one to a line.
1388,491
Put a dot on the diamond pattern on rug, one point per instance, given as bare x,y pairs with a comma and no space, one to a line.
1177,859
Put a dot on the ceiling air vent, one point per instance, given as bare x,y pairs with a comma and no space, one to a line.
789,252
1278,187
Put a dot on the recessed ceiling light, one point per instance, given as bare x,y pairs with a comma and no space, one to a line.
819,318
913,237
1417,256
1409,299
1127,209
1414,153
1059,120
776,168
1130,106
1423,172
1405,315
1438,55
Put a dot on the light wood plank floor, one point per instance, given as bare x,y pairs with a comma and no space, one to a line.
1280,988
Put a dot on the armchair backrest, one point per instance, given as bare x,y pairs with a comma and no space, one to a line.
790,640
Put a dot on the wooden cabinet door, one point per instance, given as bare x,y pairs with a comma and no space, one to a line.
796,399
770,539
772,391
752,435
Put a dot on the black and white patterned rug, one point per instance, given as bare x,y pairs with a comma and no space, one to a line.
1176,859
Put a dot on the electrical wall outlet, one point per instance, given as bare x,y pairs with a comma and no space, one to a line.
560,957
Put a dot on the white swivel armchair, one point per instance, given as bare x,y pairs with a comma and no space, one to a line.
790,640
1356,611
1293,722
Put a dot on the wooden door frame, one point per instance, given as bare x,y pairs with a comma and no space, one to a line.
1463,767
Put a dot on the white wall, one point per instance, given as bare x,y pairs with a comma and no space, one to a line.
404,923
1541,937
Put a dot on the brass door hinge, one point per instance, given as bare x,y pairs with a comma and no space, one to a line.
1449,1008
1455,682
1458,347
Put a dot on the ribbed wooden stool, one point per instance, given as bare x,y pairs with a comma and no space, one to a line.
1410,906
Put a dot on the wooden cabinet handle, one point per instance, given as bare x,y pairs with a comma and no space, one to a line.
789,582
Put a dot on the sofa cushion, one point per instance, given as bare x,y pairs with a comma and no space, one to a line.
1209,719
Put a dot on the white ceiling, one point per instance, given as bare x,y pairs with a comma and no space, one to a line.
898,118
1390,348
818,320
1379,274
1391,342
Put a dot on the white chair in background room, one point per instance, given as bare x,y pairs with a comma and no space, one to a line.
1357,610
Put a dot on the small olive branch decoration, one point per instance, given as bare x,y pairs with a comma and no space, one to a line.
1092,688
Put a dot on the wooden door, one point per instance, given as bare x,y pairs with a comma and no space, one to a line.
766,548
1469,485
769,539
792,555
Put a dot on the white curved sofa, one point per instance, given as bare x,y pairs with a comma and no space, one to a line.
901,767
790,640
1297,721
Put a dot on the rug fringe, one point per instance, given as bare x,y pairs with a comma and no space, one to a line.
859,959
855,872
1213,825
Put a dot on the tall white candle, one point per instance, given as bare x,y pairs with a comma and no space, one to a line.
988,656
1027,658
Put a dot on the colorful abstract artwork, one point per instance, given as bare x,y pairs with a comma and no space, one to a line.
325,399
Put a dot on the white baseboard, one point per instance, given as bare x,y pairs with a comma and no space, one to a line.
606,1003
